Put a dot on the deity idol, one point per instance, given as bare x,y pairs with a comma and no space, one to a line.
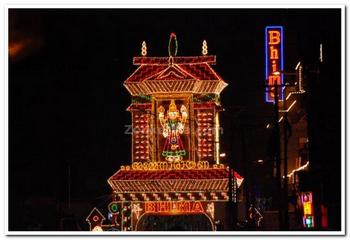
173,125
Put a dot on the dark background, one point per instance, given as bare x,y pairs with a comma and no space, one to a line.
67,101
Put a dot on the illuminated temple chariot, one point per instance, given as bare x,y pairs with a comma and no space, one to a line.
176,180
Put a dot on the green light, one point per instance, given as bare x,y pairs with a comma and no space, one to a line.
308,222
113,207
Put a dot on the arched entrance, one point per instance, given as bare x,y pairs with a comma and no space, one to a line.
183,222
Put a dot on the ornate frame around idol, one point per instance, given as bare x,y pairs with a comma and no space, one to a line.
173,126
186,135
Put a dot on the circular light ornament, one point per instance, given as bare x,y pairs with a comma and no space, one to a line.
113,207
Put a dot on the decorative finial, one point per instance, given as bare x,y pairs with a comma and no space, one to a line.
144,49
172,46
204,48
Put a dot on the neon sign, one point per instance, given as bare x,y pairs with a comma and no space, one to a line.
273,61
180,165
308,218
169,207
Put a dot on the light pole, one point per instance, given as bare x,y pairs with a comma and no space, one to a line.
278,156
285,168
282,199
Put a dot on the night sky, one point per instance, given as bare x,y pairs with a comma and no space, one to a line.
67,101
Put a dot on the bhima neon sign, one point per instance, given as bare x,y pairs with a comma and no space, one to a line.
168,207
273,61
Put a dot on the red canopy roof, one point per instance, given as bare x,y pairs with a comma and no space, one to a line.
173,68
194,180
173,174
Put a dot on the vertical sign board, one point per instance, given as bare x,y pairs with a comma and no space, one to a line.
306,200
273,61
